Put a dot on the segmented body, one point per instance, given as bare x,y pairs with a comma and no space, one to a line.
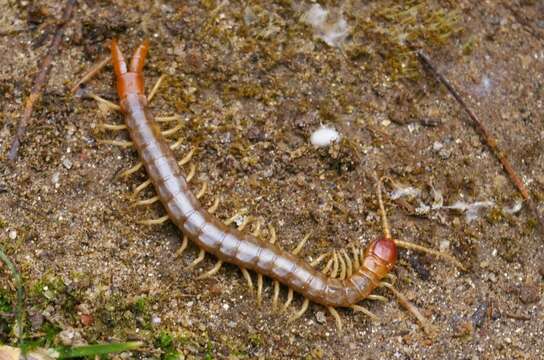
209,233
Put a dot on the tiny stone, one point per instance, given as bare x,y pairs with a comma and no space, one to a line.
320,317
444,154
67,163
231,324
437,146
155,320
444,245
13,234
55,178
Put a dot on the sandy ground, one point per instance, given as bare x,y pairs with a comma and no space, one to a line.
252,83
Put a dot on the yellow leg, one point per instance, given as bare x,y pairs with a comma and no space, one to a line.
301,312
168,118
276,295
336,317
202,190
149,201
121,143
132,170
289,299
301,244
214,206
192,171
359,308
259,289
184,244
201,256
187,157
212,271
247,276
140,188
154,221
349,265
155,88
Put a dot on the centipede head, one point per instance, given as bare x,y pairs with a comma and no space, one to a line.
129,78
380,256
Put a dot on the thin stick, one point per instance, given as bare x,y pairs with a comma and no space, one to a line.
91,73
41,79
20,295
488,139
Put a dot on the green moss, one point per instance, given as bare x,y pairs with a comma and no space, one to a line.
385,35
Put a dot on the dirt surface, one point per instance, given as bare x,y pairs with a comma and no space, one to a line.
252,82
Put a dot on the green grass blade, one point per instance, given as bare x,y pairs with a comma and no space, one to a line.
98,349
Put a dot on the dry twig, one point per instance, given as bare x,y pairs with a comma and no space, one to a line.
41,79
485,134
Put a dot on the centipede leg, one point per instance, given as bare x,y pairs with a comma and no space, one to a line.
235,216
201,256
172,130
149,201
154,221
349,265
355,253
289,299
336,317
342,267
301,312
214,206
247,276
334,271
259,289
212,271
202,190
411,246
375,297
140,188
177,144
192,171
425,324
155,88
276,284
112,127
362,309
276,295
319,259
184,244
301,244
104,102
187,157
170,118
327,267
132,170
121,143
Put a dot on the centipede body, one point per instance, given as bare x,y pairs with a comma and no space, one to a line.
210,234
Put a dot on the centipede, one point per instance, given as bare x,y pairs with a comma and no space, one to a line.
344,282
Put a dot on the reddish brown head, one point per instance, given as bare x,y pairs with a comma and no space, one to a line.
129,79
380,257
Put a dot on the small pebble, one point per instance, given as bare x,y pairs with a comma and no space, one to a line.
55,179
320,317
444,245
155,320
437,146
13,234
529,293
67,163
86,319
324,136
